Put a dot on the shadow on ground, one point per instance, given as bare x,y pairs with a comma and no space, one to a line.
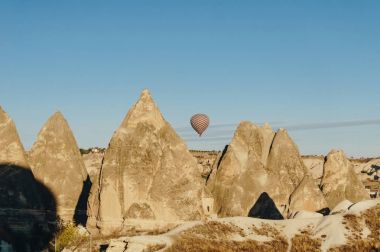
27,210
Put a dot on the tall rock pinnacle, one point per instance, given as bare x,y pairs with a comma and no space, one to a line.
57,163
147,173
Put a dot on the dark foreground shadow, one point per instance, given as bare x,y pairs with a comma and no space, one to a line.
27,210
324,211
80,216
265,208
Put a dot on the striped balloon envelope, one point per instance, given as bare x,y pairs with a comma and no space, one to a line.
199,122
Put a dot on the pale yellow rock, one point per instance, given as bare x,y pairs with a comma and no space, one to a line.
11,148
297,190
307,197
268,136
57,163
147,172
256,162
20,202
340,182
93,163
241,176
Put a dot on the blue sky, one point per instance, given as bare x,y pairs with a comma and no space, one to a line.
291,63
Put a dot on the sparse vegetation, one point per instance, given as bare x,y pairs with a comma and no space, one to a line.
305,242
67,235
356,242
266,230
215,236
154,248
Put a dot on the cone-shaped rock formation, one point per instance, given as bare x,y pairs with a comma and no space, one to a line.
257,161
21,207
147,173
241,176
56,161
340,182
295,180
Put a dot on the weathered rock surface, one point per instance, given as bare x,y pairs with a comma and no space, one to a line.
241,176
340,182
18,186
57,163
257,161
11,149
296,184
307,196
268,136
21,209
93,163
147,173
315,165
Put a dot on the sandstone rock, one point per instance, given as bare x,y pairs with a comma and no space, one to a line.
284,161
315,165
241,177
306,215
21,209
245,171
210,180
11,149
57,163
93,163
147,172
268,136
339,181
18,186
295,181
307,196
342,206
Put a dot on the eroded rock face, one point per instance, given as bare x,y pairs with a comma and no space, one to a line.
315,165
21,209
241,176
11,149
340,182
258,161
18,186
93,163
57,163
147,173
284,161
307,197
294,180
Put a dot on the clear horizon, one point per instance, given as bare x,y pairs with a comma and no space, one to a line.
310,67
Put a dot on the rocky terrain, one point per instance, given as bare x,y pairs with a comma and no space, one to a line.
249,167
147,173
23,217
353,229
148,192
56,162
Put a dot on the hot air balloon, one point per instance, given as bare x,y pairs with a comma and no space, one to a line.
199,122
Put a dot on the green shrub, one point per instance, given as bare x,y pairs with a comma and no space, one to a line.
67,235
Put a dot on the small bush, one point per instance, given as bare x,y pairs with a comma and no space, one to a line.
67,235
